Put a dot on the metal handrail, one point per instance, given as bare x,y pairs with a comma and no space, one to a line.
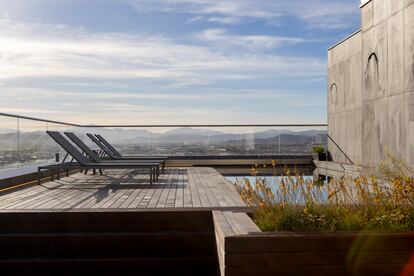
210,125
163,125
346,156
37,119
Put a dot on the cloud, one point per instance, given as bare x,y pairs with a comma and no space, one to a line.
57,69
209,106
315,13
23,93
38,50
25,110
251,42
138,114
194,19
5,15
230,20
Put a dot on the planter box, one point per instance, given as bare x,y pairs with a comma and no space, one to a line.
319,156
244,250
319,254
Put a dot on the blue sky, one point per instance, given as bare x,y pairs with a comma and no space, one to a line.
170,61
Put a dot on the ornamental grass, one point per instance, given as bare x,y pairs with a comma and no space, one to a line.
378,200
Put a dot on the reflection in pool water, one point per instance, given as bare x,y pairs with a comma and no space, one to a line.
273,182
269,179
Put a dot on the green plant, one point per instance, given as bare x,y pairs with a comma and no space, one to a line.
318,149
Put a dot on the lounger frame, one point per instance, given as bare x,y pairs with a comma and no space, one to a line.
79,161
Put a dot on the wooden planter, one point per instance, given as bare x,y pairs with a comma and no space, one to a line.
261,253
319,156
319,254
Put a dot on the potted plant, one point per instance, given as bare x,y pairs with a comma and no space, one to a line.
318,153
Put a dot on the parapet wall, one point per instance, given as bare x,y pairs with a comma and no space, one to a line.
371,87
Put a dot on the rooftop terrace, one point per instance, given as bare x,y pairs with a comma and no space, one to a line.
118,223
201,188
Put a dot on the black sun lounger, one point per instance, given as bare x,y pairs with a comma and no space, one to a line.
108,145
95,157
83,162
110,154
115,151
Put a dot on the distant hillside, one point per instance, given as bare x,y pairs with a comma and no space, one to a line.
202,136
7,130
191,131
288,139
8,140
116,135
27,140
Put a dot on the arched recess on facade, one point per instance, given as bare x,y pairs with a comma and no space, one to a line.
371,76
333,94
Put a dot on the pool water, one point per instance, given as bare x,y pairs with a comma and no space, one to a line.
297,197
253,179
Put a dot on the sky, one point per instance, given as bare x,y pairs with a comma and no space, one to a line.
170,61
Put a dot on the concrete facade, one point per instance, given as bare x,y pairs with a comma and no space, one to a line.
371,87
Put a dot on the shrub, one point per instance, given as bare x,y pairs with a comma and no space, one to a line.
318,149
382,200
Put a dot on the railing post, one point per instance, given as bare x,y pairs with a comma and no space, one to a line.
18,142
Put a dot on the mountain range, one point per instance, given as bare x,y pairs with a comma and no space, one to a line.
175,136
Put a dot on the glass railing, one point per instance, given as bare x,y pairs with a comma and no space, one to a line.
24,142
207,141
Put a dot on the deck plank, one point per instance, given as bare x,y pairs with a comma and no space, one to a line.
130,198
188,202
207,188
181,181
178,187
46,191
24,194
234,223
61,196
162,200
149,192
205,202
195,197
172,194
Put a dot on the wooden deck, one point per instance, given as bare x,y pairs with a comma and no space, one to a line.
193,188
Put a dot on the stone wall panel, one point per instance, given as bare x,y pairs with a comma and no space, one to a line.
369,68
397,126
409,48
367,16
396,54
380,11
380,130
367,133
380,74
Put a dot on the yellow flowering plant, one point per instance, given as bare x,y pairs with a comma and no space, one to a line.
382,200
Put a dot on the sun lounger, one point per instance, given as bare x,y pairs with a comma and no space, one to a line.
96,158
79,161
108,145
114,150
111,155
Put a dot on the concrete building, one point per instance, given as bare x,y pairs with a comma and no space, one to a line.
371,86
